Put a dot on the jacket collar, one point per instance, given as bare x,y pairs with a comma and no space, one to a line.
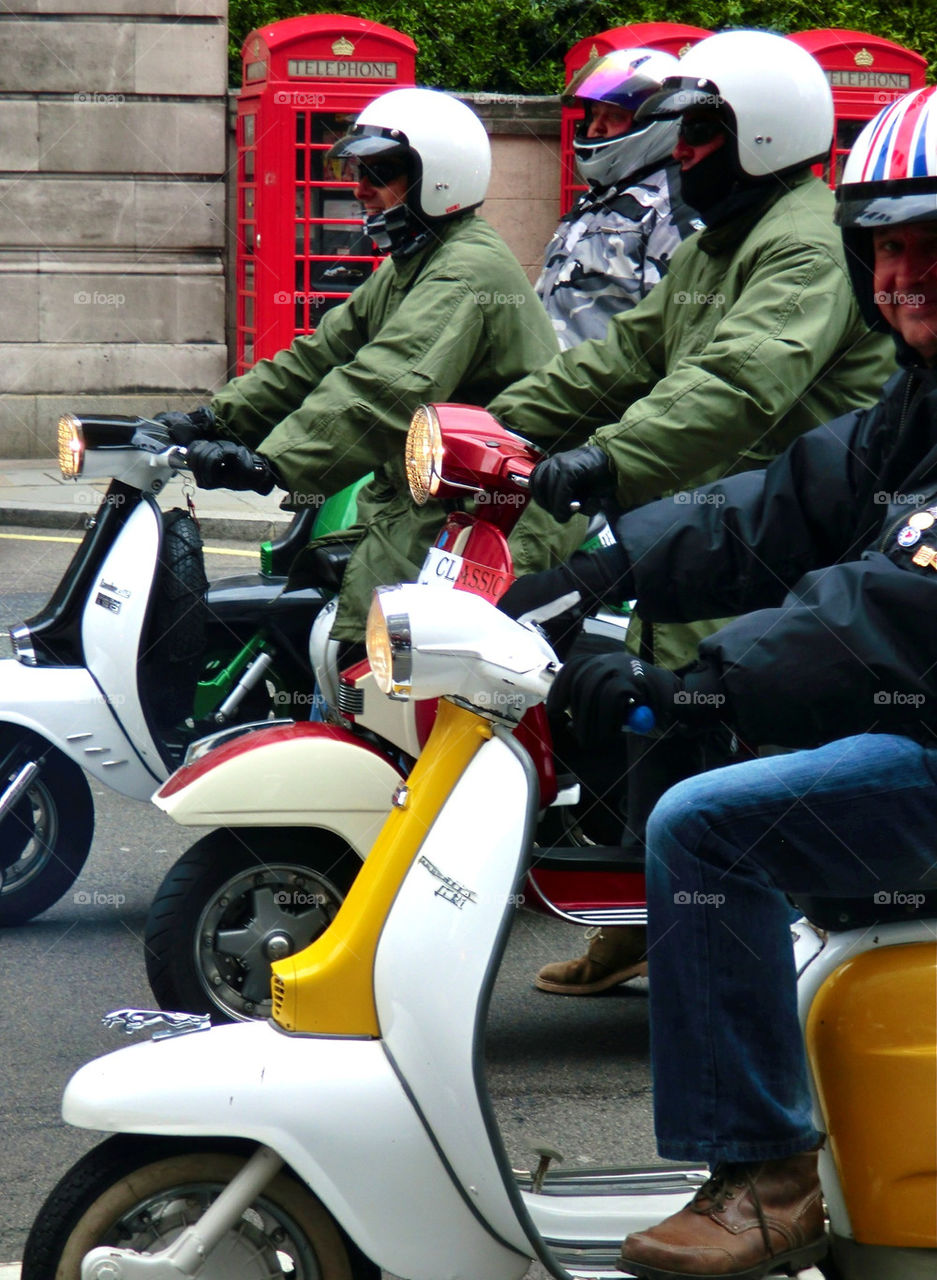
407,269
755,203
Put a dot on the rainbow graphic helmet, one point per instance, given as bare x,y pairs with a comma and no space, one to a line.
890,177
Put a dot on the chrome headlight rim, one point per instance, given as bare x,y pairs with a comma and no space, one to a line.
388,640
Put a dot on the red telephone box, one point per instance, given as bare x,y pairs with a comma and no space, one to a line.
865,73
668,37
301,247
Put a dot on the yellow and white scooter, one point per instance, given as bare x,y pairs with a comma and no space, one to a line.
353,1132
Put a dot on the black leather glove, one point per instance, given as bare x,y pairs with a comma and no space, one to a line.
583,476
185,427
600,688
222,464
558,599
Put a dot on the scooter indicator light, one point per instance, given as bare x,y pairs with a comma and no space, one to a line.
423,455
71,446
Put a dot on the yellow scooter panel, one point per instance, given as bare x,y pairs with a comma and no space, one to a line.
872,1042
328,988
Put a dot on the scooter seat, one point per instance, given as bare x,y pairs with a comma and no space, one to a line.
836,915
254,599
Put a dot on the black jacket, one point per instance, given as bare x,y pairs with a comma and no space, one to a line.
843,637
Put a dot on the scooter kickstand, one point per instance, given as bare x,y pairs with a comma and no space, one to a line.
189,1250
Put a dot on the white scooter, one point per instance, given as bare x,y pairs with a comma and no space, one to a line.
132,659
353,1132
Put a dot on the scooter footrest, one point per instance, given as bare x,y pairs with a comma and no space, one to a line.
585,858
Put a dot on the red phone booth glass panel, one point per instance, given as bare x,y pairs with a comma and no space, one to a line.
668,37
865,73
301,246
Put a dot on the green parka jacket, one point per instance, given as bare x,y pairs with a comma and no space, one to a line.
458,321
752,338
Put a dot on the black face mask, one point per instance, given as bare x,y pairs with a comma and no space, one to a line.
710,181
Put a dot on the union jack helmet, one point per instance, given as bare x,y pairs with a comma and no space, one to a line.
890,177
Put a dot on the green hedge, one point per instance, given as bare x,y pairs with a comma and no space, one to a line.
517,46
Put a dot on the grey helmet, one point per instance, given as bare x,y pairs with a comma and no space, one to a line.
624,78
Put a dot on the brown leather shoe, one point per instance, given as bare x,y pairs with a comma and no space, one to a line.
746,1220
615,954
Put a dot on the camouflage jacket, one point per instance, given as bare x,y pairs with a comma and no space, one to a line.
610,250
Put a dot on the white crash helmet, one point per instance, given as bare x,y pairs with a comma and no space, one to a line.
624,78
773,93
444,141
890,177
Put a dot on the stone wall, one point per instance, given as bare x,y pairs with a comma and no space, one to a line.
116,227
112,215
524,196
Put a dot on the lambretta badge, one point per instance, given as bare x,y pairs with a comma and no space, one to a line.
115,591
449,889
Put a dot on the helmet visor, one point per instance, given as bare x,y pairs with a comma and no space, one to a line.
676,95
368,140
608,81
886,204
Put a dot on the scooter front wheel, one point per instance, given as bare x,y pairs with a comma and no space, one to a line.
140,1193
239,899
46,836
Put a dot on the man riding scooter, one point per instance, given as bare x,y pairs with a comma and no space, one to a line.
833,551
752,338
450,315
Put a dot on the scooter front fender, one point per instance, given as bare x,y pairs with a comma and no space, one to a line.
64,706
333,1108
290,775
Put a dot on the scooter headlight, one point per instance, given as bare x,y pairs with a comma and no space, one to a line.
424,454
425,642
387,638
71,446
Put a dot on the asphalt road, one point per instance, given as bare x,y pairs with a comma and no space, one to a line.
572,1072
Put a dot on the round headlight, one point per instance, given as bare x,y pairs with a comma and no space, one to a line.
71,446
377,642
424,454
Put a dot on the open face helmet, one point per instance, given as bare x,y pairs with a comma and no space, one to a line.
890,178
624,78
771,93
439,143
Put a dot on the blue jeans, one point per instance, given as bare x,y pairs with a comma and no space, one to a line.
850,819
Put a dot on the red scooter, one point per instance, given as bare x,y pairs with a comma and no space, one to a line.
295,806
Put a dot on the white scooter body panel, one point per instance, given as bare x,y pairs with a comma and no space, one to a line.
336,1112
309,781
64,706
113,621
460,890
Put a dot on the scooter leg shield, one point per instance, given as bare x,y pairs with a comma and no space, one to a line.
66,707
333,1108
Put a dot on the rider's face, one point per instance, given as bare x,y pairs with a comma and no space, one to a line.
607,120
905,283
378,199
701,133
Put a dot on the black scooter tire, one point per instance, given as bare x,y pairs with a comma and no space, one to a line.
117,1193
243,882
46,838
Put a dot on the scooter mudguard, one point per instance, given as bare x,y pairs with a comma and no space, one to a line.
64,706
290,775
336,1111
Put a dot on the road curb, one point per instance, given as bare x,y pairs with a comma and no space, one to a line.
9,1271
234,528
